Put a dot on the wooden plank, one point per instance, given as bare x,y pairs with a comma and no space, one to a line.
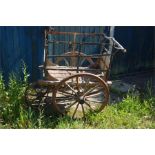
73,68
91,56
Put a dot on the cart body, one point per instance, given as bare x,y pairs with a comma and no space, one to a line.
75,72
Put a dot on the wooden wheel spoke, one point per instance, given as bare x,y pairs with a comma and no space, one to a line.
67,108
83,110
65,92
94,101
77,84
65,95
90,90
85,81
66,99
88,105
95,93
75,110
82,85
71,88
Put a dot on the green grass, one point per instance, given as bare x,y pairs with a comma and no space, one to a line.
134,111
130,113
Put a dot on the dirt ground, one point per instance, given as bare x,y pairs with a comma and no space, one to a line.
140,81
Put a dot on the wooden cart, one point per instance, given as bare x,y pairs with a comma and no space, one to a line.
75,73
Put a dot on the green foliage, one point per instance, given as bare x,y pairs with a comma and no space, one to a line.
127,114
3,93
13,111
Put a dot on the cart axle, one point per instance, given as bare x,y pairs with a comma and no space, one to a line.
81,100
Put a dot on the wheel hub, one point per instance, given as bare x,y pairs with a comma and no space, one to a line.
81,100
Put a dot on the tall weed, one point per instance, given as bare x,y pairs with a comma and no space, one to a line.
12,106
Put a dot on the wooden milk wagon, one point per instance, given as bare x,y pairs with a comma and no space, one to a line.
75,73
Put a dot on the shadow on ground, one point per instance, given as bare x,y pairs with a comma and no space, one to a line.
139,82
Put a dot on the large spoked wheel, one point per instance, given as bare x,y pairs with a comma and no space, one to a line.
79,94
35,95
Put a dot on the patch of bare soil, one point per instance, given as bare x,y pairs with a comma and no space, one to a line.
138,81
